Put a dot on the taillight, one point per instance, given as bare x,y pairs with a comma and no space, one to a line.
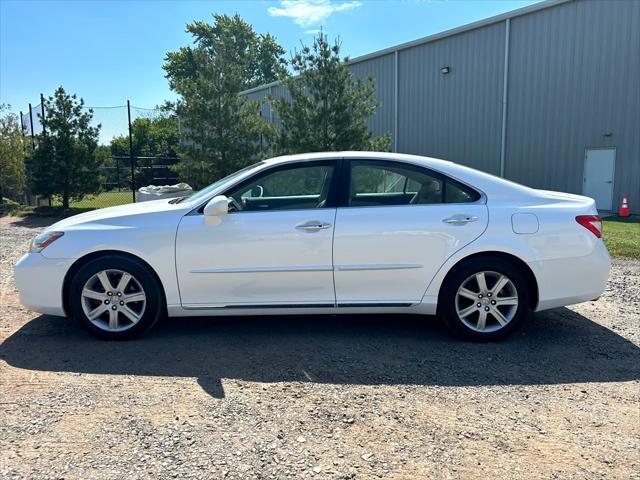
593,223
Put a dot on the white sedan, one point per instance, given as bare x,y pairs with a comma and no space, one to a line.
346,232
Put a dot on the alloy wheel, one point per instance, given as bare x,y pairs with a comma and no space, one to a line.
486,301
113,300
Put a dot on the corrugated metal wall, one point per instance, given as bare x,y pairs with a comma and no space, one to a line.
456,116
573,76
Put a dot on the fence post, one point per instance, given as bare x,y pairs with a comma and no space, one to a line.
44,130
33,137
26,197
117,173
133,170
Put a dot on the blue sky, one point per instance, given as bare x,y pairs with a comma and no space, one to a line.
111,51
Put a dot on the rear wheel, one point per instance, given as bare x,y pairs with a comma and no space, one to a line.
115,297
484,299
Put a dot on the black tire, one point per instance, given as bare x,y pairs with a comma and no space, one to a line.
154,308
459,275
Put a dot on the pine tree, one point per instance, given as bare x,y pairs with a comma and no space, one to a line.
65,161
329,108
222,130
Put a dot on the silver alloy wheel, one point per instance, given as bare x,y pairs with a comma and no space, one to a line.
486,301
113,300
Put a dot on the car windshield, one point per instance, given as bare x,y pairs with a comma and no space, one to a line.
207,190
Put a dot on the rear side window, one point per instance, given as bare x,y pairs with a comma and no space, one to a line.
388,183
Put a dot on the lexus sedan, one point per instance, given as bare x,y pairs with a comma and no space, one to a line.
342,232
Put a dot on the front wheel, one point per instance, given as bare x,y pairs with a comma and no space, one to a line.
115,297
484,299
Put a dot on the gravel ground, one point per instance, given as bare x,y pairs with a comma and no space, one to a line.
320,397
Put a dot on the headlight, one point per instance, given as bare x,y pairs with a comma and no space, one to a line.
44,240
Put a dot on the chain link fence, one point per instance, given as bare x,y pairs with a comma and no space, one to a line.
117,187
128,161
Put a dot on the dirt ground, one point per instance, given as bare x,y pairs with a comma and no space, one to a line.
344,397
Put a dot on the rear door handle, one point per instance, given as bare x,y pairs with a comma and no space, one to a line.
460,219
313,226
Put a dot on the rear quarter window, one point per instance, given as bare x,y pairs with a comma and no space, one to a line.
456,192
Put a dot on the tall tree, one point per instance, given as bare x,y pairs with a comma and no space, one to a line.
329,108
12,153
65,161
222,130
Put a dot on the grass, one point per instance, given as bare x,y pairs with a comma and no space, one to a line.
101,200
9,207
622,237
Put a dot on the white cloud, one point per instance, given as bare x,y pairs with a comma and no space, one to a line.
310,12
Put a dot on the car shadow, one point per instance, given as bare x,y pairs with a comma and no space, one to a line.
558,346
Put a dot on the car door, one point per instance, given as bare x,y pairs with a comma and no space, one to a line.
396,225
273,248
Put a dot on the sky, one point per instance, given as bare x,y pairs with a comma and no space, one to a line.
111,51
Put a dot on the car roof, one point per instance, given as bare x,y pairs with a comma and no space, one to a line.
359,154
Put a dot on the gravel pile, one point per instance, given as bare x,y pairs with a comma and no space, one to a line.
321,397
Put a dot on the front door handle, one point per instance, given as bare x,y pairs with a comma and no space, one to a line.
460,219
313,226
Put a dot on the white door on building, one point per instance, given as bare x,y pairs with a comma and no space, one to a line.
598,176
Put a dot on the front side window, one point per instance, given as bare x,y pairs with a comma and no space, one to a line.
299,187
396,184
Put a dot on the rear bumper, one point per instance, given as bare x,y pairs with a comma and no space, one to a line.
565,281
39,281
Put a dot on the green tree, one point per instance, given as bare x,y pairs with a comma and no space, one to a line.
12,153
222,131
65,161
329,108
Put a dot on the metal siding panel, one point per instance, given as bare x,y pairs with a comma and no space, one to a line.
573,75
278,91
382,70
455,116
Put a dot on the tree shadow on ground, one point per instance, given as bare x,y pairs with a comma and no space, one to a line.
558,346
34,221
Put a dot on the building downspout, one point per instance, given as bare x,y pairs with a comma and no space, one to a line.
505,96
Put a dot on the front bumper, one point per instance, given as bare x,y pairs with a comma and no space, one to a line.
39,281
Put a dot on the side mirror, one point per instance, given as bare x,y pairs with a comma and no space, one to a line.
217,206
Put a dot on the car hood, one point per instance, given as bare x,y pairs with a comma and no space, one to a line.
105,215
